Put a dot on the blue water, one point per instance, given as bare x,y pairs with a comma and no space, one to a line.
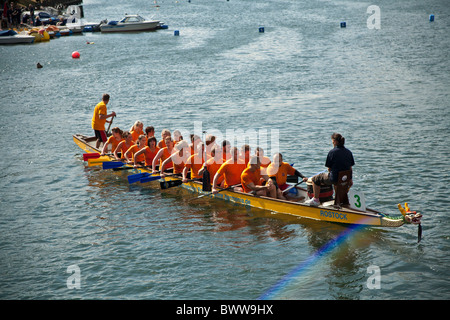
385,90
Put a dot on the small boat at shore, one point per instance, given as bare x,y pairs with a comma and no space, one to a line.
12,37
326,211
131,22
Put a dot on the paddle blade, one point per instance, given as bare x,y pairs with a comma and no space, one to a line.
149,179
93,162
133,178
98,161
87,156
112,164
169,184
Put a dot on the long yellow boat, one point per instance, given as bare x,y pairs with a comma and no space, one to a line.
327,211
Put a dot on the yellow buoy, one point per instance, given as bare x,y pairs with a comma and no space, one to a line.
45,36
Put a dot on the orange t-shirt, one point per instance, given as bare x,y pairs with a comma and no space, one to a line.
178,161
248,177
135,134
149,155
124,148
166,154
133,149
281,174
114,142
212,168
161,144
231,172
195,165
226,157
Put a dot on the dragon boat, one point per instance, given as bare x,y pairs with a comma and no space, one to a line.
354,214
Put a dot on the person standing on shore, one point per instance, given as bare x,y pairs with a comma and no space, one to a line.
99,120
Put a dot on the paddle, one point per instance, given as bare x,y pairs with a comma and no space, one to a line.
98,161
95,155
142,178
286,190
110,123
130,168
209,193
137,177
113,164
149,179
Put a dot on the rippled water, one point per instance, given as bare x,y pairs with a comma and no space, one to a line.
385,90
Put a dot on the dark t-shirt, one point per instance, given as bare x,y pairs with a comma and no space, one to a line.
339,159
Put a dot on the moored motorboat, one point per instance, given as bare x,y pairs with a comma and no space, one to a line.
132,22
327,211
12,37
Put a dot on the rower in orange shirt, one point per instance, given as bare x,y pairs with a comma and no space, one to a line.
265,161
231,172
255,183
130,155
113,141
177,137
226,151
136,130
163,154
164,134
210,142
194,163
278,172
213,164
150,132
124,145
150,151
177,159
245,154
195,140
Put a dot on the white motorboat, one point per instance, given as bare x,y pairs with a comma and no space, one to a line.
12,37
131,22
75,27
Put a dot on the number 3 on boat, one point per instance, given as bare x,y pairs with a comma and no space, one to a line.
357,200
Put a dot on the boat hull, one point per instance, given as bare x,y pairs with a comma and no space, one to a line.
129,27
323,212
17,39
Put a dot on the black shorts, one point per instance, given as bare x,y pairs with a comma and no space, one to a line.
101,135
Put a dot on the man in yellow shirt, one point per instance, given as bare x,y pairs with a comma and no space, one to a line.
99,119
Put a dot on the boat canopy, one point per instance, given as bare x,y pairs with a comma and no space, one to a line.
5,33
132,18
